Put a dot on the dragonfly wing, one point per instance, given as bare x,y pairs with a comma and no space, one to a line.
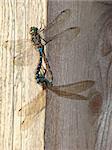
69,95
59,19
23,51
18,44
27,122
26,57
67,35
36,106
72,89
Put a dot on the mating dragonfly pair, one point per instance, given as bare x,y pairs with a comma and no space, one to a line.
44,74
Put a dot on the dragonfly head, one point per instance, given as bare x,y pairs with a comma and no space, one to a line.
33,30
35,37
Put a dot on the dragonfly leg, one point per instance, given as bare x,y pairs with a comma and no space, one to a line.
44,40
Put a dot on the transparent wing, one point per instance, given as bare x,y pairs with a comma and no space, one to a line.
71,90
68,91
59,19
69,95
31,110
27,122
25,53
38,104
33,107
67,35
18,44
26,57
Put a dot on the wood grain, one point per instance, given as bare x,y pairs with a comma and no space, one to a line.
69,125
16,87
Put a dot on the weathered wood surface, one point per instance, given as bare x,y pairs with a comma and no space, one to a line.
77,125
16,87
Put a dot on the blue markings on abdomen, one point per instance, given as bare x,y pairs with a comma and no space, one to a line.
40,63
40,78
41,50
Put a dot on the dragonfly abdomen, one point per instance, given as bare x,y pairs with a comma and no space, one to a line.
40,74
37,74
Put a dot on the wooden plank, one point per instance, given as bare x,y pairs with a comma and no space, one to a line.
16,85
75,125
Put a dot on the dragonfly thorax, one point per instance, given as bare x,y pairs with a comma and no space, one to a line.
36,39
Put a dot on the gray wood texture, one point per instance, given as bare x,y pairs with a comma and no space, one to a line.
81,125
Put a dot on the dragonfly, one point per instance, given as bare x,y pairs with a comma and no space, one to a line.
69,92
44,75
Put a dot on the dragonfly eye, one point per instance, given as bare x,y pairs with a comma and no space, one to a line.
33,30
